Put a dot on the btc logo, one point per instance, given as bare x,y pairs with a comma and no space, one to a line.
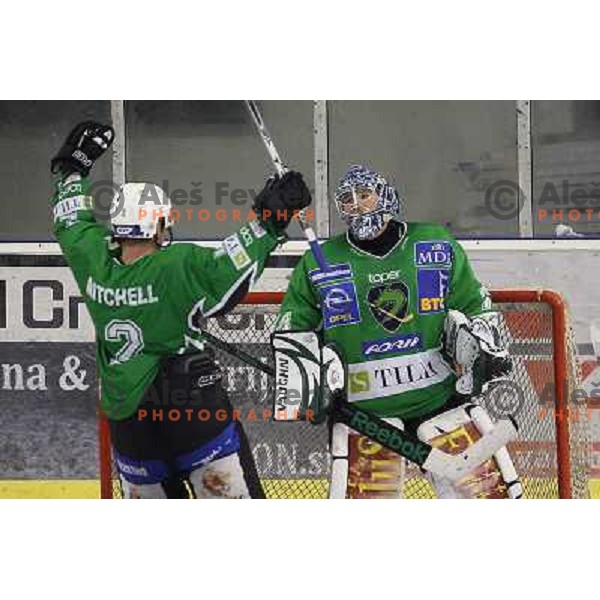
432,305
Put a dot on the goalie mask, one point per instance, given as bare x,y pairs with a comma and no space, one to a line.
366,202
137,209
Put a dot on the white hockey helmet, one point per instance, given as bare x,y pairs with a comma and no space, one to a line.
136,211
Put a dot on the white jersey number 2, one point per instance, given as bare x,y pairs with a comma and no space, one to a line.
130,334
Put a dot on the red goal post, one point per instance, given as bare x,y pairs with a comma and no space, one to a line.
552,454
564,363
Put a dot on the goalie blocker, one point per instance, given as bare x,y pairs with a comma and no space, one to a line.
311,381
307,376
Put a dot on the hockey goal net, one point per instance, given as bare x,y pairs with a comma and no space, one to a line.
551,454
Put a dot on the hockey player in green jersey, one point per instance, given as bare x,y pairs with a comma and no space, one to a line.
146,300
392,289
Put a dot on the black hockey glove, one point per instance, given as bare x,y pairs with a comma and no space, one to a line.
280,199
87,142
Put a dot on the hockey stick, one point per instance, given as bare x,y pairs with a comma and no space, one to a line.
311,236
453,467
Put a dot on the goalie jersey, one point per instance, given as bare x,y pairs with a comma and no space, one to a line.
152,308
386,315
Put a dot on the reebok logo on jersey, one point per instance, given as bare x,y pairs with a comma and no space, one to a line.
399,343
433,254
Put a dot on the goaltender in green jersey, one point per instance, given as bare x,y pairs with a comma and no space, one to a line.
385,301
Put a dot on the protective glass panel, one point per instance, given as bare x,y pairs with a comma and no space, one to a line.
566,167
443,156
31,132
209,157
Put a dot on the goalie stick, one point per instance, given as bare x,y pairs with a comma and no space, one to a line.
309,232
453,467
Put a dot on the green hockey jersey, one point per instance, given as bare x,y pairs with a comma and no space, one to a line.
386,315
149,309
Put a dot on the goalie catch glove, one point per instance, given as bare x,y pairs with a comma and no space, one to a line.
86,143
475,349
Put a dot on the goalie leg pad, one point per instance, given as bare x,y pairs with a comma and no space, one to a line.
505,464
339,461
453,432
363,468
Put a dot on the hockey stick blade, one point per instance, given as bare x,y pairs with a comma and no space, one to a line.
456,466
449,466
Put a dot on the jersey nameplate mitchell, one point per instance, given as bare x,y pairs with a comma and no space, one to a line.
129,296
